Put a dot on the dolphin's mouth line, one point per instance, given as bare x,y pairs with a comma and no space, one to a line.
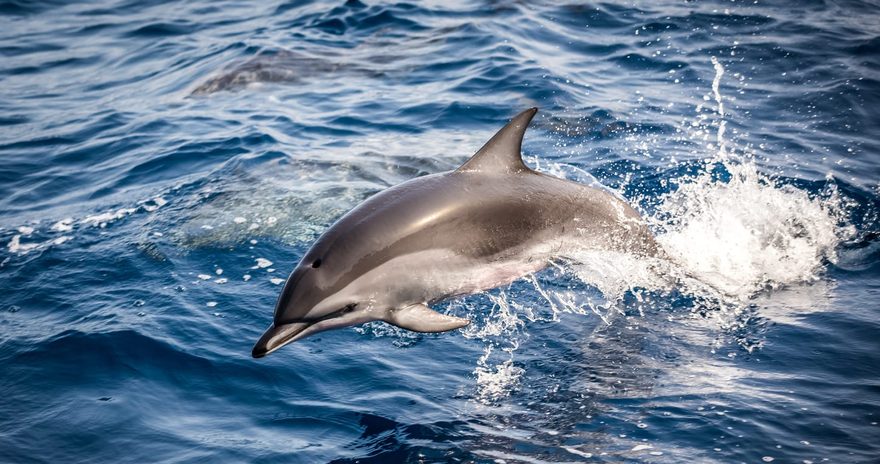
288,337
263,348
267,345
338,313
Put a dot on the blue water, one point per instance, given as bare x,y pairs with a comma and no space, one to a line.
148,218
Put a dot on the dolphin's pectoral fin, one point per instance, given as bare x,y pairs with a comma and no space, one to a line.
503,152
420,318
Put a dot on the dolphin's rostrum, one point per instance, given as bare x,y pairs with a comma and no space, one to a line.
487,223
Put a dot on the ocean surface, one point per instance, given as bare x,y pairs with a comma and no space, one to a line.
164,166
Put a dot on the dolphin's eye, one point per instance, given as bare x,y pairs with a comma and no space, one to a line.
317,263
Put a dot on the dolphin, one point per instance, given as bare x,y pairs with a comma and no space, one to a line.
487,223
281,66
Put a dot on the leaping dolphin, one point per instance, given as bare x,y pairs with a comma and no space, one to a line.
485,224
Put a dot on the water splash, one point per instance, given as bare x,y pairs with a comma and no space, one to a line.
500,330
740,231
751,233
722,123
732,233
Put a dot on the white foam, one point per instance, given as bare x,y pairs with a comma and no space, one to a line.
749,234
153,204
15,245
103,219
495,380
64,225
578,452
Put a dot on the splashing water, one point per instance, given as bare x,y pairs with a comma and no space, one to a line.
730,231
750,233
722,123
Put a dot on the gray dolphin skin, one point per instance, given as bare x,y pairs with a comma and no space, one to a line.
489,222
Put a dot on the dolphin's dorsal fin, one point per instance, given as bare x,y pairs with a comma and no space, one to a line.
421,318
503,152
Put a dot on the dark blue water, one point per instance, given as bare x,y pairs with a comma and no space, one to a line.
164,165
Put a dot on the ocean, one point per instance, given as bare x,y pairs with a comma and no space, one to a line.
165,165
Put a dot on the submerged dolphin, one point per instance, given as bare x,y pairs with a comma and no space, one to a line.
281,66
487,223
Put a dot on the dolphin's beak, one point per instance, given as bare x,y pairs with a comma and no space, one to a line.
277,336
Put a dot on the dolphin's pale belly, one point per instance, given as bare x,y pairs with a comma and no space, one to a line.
473,276
433,275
